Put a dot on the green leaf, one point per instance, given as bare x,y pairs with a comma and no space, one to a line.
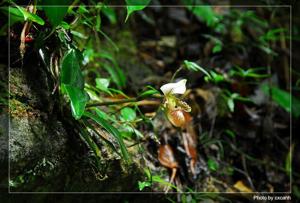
148,93
296,191
217,48
113,131
19,14
281,97
230,133
115,71
272,35
212,165
215,77
110,14
195,67
135,5
82,9
72,82
295,107
148,173
79,34
117,76
114,45
104,115
110,144
102,84
101,114
70,71
266,49
288,161
84,135
55,10
14,14
65,25
78,98
126,130
138,133
205,13
158,179
30,16
128,114
143,184
250,73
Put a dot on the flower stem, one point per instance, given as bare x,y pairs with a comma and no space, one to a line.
176,72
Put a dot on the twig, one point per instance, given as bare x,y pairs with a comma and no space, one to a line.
107,103
247,173
141,101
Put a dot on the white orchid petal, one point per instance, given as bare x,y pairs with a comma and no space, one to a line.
174,88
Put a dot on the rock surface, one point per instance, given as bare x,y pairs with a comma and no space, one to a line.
46,154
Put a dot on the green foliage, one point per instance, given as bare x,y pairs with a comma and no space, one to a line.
212,164
113,131
143,184
135,5
102,84
70,72
19,14
154,179
272,35
283,98
235,72
217,48
215,77
230,133
207,141
72,82
288,161
148,93
78,98
296,191
128,114
110,14
92,145
218,44
55,10
194,67
109,64
205,13
231,97
116,74
247,73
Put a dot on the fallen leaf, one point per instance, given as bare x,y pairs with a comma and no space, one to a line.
240,186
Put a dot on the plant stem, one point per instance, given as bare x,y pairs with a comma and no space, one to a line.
176,72
121,101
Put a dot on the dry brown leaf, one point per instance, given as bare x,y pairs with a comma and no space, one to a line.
240,186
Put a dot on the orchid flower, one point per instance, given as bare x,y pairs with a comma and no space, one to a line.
174,88
176,109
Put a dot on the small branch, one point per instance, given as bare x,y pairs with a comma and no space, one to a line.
124,101
121,101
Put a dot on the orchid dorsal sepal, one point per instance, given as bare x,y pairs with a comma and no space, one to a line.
174,88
